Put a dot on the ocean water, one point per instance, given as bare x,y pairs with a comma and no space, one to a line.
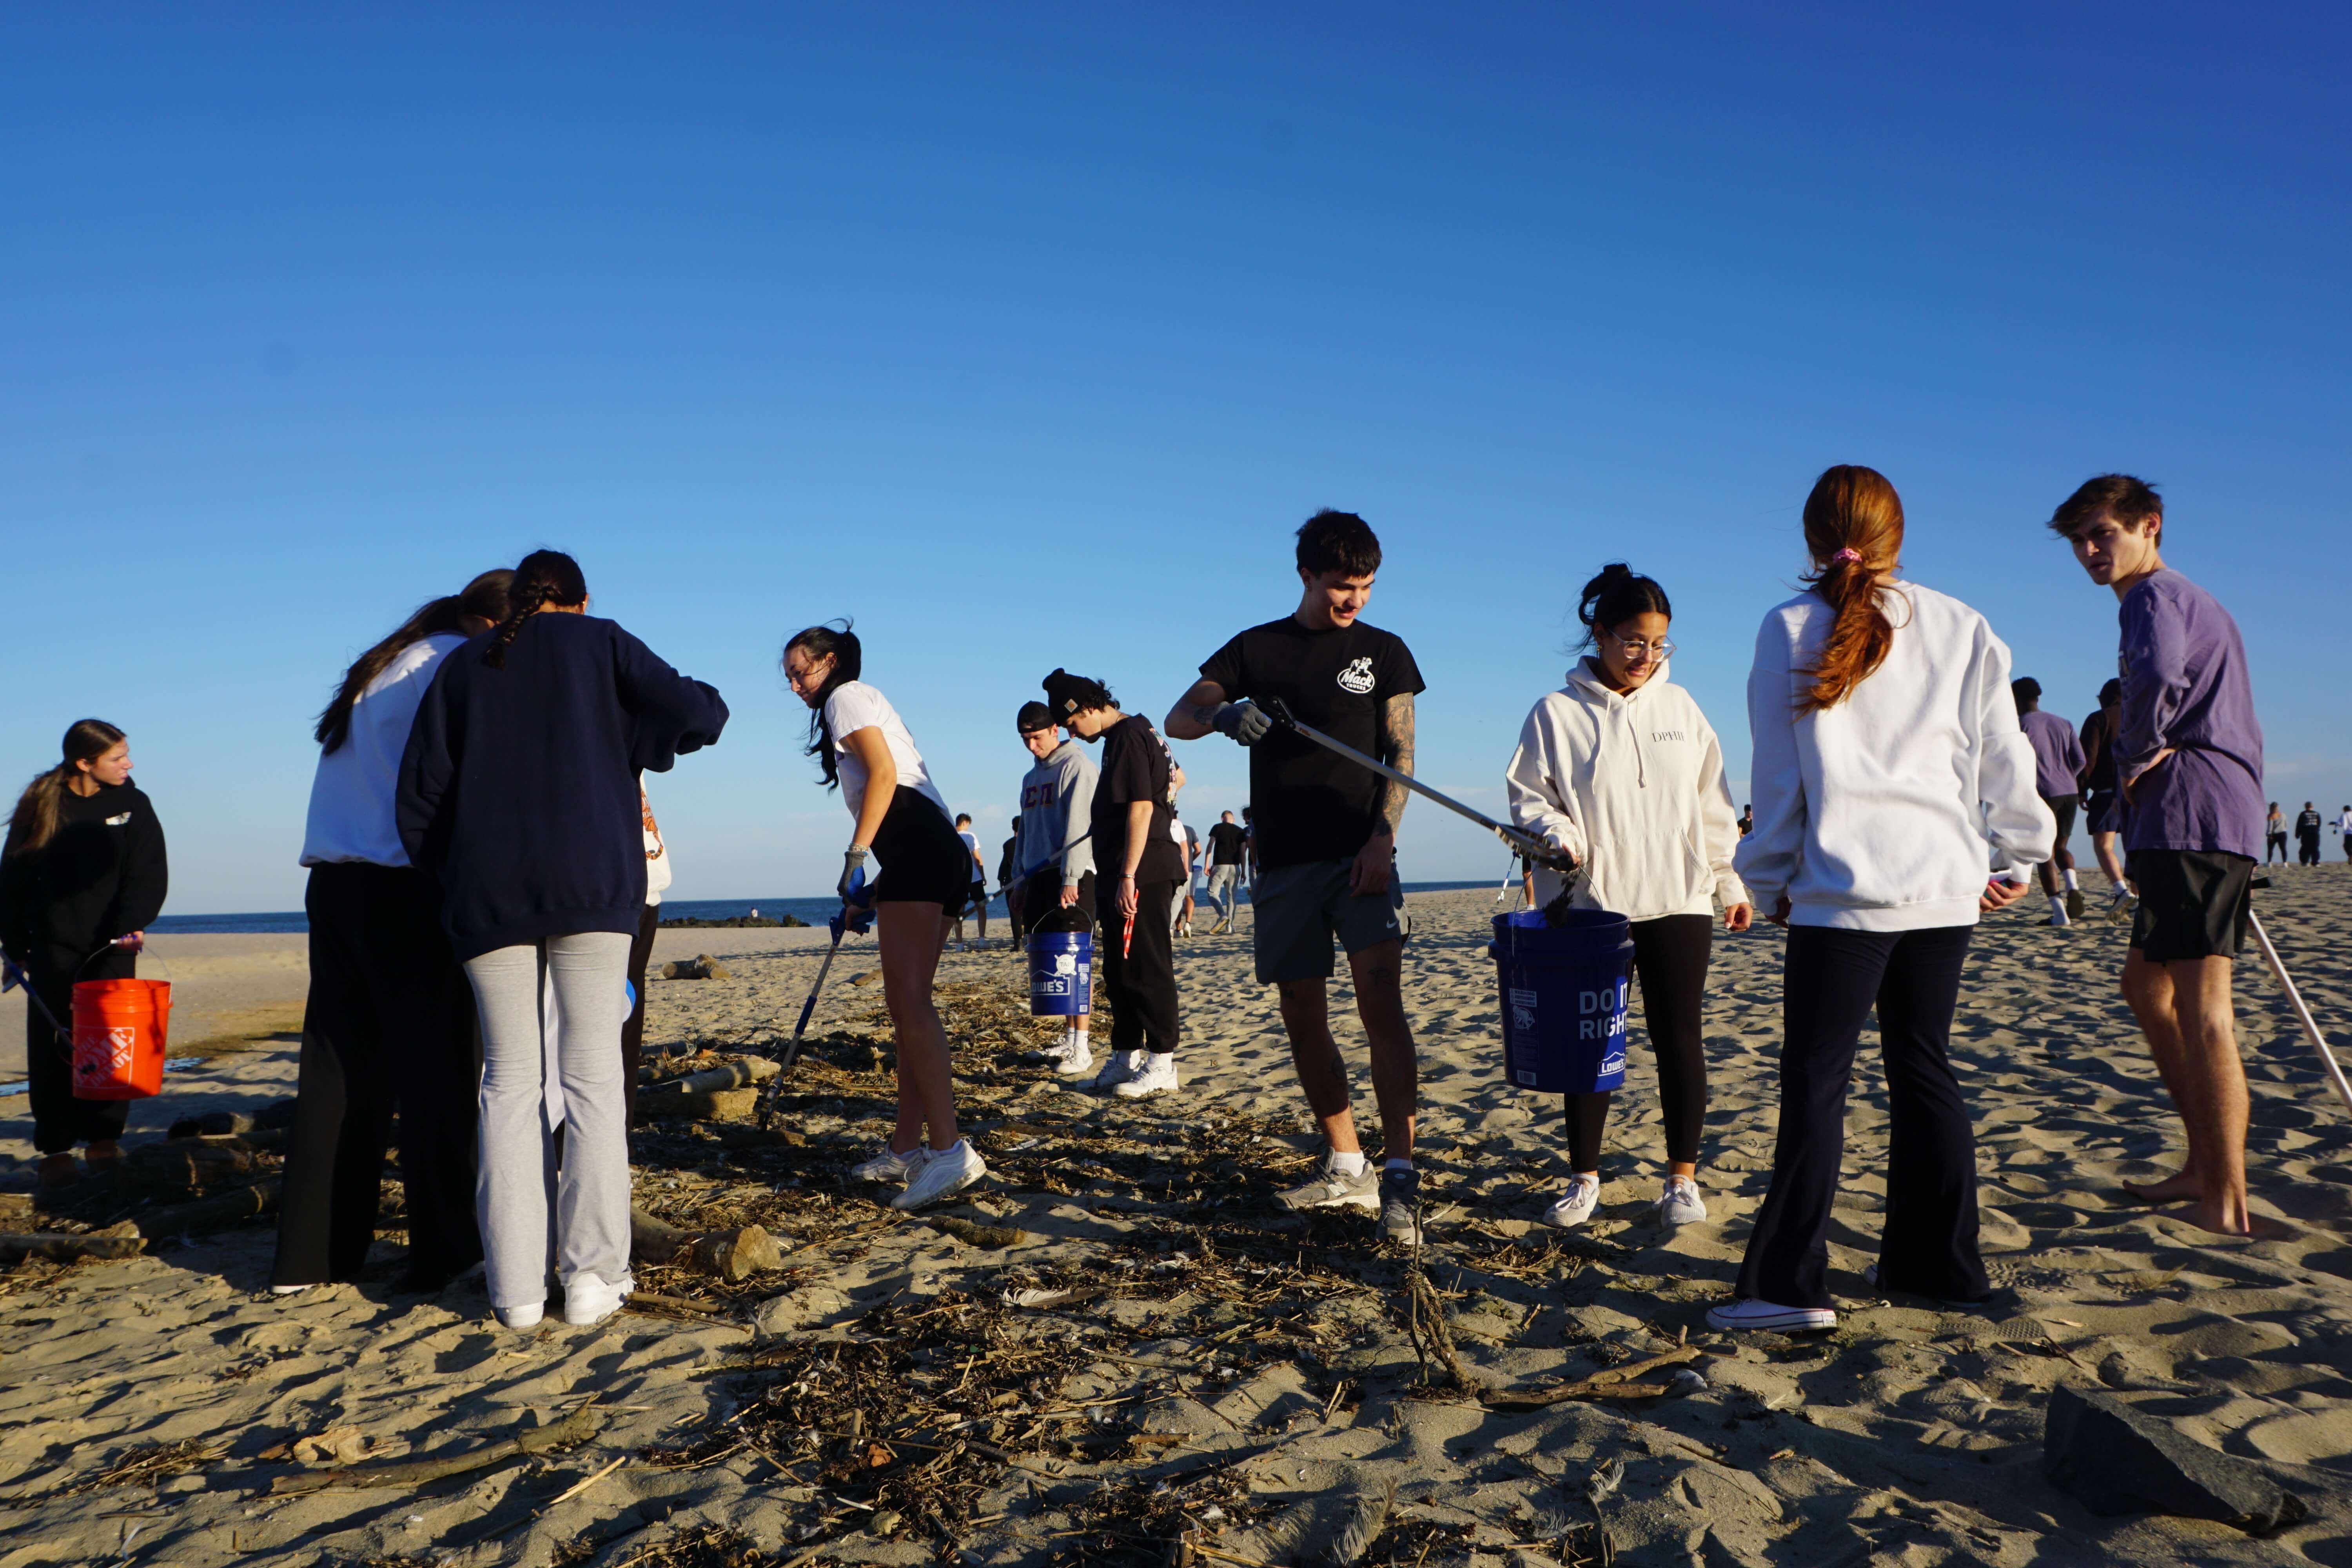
815,912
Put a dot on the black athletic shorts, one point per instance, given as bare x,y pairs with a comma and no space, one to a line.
2103,811
2063,807
922,860
2193,903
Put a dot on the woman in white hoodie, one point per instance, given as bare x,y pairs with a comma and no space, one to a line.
1621,770
1890,774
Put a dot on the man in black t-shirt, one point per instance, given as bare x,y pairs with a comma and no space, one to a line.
1228,844
1325,830
1142,864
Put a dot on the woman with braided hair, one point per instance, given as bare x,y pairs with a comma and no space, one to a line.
519,795
1889,771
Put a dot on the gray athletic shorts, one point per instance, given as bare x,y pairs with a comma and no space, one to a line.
1299,910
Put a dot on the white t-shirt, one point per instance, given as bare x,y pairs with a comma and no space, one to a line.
972,847
856,706
350,816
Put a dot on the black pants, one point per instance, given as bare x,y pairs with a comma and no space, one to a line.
2273,844
389,1025
1141,986
1670,956
2307,848
60,1121
632,1028
1830,982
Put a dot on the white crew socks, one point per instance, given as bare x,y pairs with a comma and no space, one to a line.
1073,1035
2058,910
2069,875
1351,1163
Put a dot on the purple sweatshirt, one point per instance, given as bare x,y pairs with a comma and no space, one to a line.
2057,754
2185,686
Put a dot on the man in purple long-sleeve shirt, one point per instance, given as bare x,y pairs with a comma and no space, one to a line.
2189,755
2057,778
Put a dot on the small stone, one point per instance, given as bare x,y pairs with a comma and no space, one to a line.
883,1524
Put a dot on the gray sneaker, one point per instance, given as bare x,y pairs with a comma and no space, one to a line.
1401,1206
1333,1190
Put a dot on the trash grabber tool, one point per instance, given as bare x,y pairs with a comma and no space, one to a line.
843,923
15,977
2301,1011
1525,843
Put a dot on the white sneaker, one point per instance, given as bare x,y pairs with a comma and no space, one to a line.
886,1164
287,1290
1746,1314
1122,1066
1159,1072
1074,1062
944,1171
588,1299
1680,1203
522,1317
1574,1206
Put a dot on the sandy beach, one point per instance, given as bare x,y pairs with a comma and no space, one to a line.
1119,1349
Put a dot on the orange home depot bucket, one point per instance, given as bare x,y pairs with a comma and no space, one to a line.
117,1037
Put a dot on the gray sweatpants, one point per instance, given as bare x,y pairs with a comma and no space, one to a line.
518,1184
1225,883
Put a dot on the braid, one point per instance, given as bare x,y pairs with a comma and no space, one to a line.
523,600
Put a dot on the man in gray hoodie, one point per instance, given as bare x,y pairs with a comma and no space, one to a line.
1054,850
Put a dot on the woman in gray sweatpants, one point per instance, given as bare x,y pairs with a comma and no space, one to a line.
519,796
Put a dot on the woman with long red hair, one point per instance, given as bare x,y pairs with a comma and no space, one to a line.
1889,773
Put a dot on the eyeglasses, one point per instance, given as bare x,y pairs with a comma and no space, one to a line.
1641,647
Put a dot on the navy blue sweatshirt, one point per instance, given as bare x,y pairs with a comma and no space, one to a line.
519,787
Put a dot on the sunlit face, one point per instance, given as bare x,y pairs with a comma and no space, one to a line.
1334,599
807,674
2113,551
111,766
1041,743
1634,649
1088,724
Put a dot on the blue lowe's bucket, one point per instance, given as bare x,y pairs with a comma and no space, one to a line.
1061,974
1563,999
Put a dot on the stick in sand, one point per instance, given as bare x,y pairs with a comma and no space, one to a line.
2301,1011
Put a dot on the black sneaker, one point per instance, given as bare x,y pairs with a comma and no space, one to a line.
1400,1206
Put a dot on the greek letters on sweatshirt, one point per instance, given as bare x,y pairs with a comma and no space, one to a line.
518,791
1631,784
1057,803
1888,811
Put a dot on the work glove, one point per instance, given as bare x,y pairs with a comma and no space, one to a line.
853,861
1244,721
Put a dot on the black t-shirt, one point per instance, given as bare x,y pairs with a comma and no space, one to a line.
1134,767
1225,842
1309,804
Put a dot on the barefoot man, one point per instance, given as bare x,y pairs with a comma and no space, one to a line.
1326,835
2189,756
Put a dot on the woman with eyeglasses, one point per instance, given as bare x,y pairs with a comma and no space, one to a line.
1621,771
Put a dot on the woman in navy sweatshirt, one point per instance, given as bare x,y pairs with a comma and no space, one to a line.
518,797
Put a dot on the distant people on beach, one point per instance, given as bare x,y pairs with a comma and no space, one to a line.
2189,755
2307,835
976,898
2102,795
1228,846
1619,770
2058,774
898,818
2274,834
1134,848
388,1026
1747,820
2344,830
1324,833
520,799
1057,855
1872,851
82,874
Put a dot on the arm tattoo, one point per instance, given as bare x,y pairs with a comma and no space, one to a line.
1396,750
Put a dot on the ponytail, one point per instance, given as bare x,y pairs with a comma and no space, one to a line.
1853,528
34,821
545,577
849,662
484,598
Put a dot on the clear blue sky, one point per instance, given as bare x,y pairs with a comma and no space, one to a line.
1026,333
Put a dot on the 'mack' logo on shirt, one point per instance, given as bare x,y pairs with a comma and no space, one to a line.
1357,678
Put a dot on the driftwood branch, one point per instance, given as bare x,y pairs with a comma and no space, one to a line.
1616,1382
216,1213
733,1255
115,1241
577,1427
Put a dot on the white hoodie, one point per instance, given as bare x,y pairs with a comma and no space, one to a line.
1888,811
1632,787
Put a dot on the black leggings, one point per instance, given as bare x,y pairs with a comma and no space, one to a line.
60,1121
1830,982
1141,986
1670,956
